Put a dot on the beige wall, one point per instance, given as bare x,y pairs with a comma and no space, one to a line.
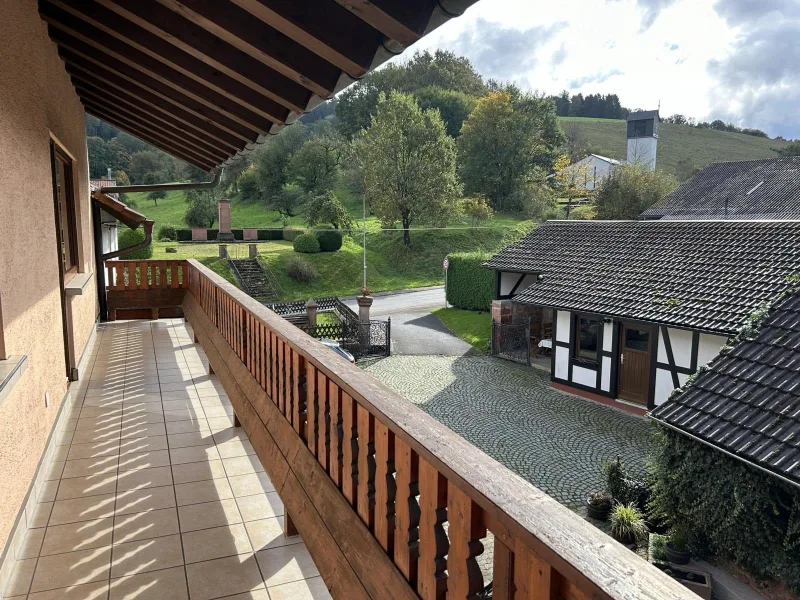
37,101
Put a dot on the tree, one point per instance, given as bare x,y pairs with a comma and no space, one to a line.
792,149
507,136
571,179
248,185
156,196
271,159
409,164
454,107
203,208
477,209
629,190
287,201
326,208
575,142
148,162
313,167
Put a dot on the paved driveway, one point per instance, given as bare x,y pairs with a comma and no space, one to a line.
556,441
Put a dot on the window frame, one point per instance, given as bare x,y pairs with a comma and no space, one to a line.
59,155
576,339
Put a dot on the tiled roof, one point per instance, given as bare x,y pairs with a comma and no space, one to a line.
642,114
754,189
706,275
748,401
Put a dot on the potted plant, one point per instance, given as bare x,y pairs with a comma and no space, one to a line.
676,548
598,505
627,524
698,581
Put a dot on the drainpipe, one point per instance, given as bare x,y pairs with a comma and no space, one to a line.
165,187
148,238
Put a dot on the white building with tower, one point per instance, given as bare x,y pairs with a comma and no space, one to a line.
643,137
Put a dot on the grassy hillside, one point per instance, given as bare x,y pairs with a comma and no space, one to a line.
676,142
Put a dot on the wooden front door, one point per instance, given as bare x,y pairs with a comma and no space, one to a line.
635,347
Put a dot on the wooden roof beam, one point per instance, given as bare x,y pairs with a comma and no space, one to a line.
139,80
403,22
168,148
207,47
264,43
101,78
130,34
334,33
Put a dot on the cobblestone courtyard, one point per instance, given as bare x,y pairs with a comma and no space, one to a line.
556,441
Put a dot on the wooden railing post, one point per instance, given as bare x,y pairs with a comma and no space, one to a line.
466,530
433,544
407,511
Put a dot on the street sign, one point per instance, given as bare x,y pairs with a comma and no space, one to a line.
446,263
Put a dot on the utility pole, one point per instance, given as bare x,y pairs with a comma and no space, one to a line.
364,239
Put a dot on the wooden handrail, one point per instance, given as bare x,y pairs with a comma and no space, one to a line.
391,503
146,274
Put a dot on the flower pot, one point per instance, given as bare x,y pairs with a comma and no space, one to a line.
698,581
677,557
597,512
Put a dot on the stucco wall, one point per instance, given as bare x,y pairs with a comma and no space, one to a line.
36,101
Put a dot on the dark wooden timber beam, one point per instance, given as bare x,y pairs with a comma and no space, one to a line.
143,68
165,147
334,33
164,139
207,47
147,124
170,95
142,40
102,78
404,22
265,44
127,108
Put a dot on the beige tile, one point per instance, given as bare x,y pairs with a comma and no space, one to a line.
85,436
140,445
72,568
54,471
48,491
219,424
134,501
186,414
268,533
98,424
77,536
40,515
185,440
82,509
145,525
184,404
286,564
260,506
88,591
198,471
193,454
168,584
93,485
135,396
223,577
145,460
235,448
146,555
254,595
203,491
93,449
21,575
209,514
178,395
141,418
308,589
217,411
242,465
251,484
143,430
31,545
144,478
90,466
177,427
208,544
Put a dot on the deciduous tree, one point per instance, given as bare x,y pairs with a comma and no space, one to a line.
629,190
203,208
313,167
326,208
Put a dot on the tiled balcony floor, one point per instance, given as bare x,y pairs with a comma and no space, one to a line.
155,495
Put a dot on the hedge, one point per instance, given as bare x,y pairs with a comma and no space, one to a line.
291,234
270,234
130,237
469,285
185,235
732,511
330,240
306,243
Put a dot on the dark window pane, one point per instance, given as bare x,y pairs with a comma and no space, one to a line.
636,339
588,332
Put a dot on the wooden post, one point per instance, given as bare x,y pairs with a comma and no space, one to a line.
289,530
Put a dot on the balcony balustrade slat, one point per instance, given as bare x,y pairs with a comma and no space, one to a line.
298,404
466,531
384,486
349,449
335,455
433,541
503,571
311,407
407,511
322,417
365,504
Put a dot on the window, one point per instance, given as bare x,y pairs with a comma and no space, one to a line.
640,128
66,223
587,335
637,339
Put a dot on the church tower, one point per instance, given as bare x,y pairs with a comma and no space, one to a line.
643,137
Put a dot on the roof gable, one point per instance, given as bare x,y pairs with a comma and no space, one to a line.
705,275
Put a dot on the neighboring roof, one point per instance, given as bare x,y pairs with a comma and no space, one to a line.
705,275
642,114
118,210
748,401
612,161
753,189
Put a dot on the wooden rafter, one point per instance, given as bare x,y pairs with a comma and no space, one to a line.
403,22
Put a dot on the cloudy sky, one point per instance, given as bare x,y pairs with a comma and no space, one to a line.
738,60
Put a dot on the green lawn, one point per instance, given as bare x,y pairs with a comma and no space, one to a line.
607,137
475,328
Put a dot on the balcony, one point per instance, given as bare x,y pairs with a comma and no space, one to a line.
387,502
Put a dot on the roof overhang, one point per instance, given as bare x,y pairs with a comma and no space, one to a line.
205,80
118,210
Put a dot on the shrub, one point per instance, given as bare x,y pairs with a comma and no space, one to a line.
290,234
168,232
587,212
615,480
627,523
270,234
306,243
469,285
211,234
601,500
300,269
129,237
658,544
330,240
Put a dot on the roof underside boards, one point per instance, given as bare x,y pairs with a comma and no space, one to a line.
752,189
704,275
206,79
748,402
118,210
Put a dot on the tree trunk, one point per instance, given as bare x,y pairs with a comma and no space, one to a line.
406,232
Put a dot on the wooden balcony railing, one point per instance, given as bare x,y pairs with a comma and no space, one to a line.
391,503
145,288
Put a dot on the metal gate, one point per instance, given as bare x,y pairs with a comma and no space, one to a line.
512,341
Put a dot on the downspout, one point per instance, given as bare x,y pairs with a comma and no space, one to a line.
165,187
148,238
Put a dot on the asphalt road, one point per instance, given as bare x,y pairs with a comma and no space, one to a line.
415,331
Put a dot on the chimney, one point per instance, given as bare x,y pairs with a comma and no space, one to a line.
110,177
